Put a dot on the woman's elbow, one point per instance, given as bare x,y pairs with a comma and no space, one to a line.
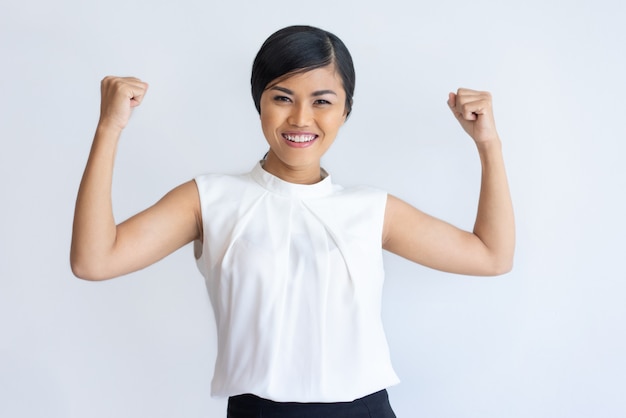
85,270
83,273
500,266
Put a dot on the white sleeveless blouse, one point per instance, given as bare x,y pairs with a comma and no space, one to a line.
294,273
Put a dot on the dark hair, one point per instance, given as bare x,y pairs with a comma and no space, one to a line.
297,49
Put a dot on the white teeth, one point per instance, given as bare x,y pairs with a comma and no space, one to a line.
300,138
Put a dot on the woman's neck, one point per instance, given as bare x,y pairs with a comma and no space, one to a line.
309,174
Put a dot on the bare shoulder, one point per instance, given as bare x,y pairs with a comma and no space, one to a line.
401,218
184,200
186,194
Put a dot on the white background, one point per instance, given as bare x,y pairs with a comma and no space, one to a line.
546,340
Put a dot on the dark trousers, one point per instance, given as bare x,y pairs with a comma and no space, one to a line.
375,405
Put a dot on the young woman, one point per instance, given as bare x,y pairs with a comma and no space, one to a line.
292,261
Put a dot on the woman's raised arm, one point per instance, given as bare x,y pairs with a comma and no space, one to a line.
487,250
101,249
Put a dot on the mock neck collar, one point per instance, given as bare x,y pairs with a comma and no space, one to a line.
274,184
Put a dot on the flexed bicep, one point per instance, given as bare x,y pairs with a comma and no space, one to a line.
141,240
431,242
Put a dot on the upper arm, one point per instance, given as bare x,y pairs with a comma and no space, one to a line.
152,234
419,237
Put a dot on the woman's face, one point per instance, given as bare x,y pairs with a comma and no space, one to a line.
300,117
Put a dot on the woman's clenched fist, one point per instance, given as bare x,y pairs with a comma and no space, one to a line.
119,95
473,110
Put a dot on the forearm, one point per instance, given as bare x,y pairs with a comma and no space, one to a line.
495,224
94,229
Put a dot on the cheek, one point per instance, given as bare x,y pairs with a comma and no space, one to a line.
270,113
268,120
333,122
269,124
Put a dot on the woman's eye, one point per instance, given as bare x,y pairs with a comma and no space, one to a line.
322,102
282,99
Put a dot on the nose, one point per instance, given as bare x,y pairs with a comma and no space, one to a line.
300,116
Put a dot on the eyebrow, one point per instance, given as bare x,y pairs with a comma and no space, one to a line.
314,94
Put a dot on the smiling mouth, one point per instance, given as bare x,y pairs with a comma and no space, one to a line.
299,138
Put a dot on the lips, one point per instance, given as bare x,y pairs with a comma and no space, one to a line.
299,138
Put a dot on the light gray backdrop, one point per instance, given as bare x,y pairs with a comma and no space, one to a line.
546,340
